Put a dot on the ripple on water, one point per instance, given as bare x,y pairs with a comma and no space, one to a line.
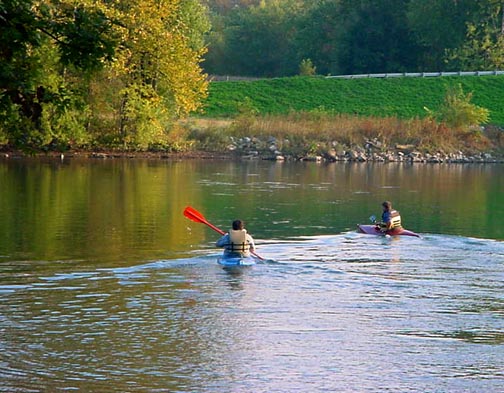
348,312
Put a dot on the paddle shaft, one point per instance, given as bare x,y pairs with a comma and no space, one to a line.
214,227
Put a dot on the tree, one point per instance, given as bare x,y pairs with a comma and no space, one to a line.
257,41
458,112
117,72
483,48
306,68
33,93
348,36
320,34
156,74
378,39
439,26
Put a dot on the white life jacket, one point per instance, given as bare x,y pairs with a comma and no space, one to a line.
238,241
395,219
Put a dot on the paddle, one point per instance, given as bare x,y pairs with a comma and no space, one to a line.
373,220
194,215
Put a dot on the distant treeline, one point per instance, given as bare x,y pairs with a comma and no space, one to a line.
274,37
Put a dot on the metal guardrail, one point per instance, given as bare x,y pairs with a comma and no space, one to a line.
230,78
418,74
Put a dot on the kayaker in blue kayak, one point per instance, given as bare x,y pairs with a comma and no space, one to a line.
391,219
237,242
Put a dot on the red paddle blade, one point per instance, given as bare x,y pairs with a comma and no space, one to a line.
194,215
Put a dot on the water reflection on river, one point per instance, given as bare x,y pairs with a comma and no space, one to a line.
107,287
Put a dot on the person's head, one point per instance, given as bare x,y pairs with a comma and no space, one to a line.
386,206
237,225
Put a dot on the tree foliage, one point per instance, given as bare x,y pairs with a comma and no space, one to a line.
457,110
256,40
439,26
483,47
156,68
267,38
378,39
306,68
40,40
74,72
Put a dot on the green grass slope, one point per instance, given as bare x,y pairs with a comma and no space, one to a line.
404,97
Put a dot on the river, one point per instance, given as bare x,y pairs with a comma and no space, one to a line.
107,287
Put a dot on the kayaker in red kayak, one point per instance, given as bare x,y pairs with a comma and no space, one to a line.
237,242
390,225
391,219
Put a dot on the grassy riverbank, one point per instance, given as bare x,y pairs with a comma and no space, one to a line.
404,98
307,116
339,119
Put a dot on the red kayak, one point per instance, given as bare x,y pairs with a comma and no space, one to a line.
375,230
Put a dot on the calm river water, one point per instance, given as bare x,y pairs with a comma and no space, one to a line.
106,287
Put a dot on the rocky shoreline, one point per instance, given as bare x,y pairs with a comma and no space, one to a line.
371,151
103,155
252,148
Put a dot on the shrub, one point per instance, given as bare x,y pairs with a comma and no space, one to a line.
306,68
458,112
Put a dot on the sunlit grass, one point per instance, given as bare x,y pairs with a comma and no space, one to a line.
404,98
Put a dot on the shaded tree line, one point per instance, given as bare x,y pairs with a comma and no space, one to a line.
273,37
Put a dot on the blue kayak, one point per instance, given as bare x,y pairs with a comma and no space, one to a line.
236,261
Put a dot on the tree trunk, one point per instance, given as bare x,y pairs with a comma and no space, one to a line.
502,22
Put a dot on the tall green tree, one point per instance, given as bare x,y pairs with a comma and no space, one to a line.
378,38
483,47
440,26
271,37
257,41
74,71
39,41
320,34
